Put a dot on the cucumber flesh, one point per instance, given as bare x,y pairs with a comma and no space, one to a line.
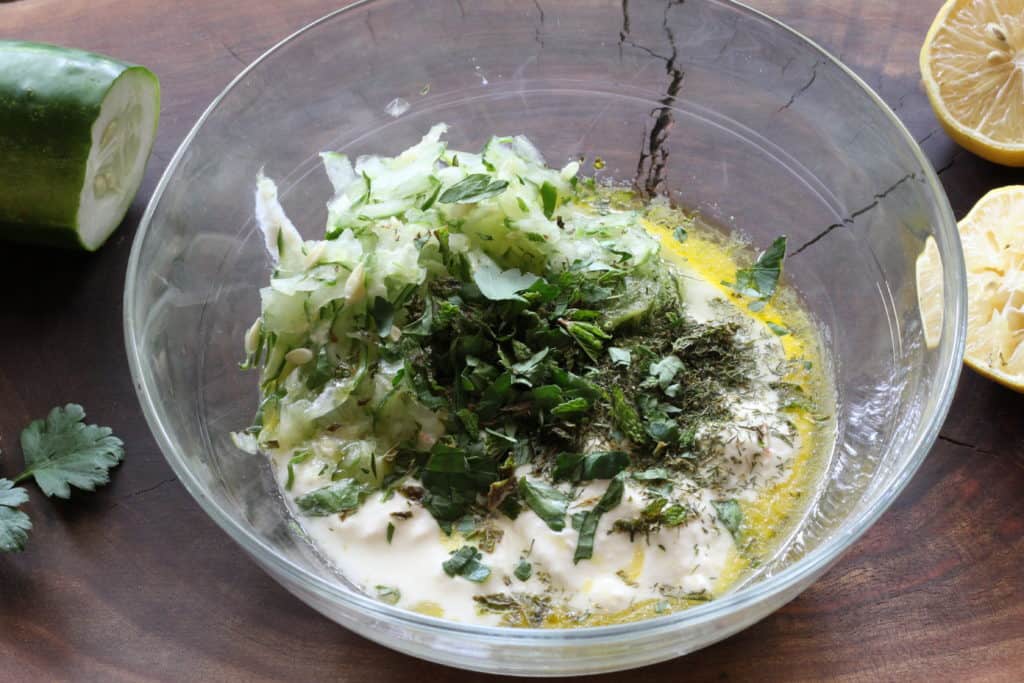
122,138
76,129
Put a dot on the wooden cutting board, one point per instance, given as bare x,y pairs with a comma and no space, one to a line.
136,583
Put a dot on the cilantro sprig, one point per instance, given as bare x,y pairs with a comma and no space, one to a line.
61,452
14,524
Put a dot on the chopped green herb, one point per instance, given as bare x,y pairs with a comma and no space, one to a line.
340,496
571,407
300,457
652,474
523,570
656,514
549,197
730,515
588,527
586,466
760,280
473,188
549,503
620,356
390,532
383,313
465,562
388,594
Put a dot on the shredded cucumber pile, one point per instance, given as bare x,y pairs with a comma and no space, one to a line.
500,221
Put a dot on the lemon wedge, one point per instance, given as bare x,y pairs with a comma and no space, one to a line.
972,64
992,235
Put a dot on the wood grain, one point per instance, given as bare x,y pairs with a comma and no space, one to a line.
136,583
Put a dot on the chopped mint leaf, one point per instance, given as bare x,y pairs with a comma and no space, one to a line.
655,515
760,280
61,452
465,562
620,356
14,524
390,532
523,570
674,515
341,496
388,594
432,199
465,525
652,474
588,527
549,196
577,520
547,396
473,188
662,430
549,503
298,458
453,479
596,465
730,515
665,370
383,313
573,406
527,366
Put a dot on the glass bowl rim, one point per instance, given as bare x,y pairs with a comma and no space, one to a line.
951,347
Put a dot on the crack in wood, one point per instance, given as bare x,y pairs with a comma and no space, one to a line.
963,444
849,220
803,88
538,33
949,165
653,159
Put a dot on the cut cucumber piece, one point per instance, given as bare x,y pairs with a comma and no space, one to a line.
76,129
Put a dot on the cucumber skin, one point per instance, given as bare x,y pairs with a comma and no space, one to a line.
50,96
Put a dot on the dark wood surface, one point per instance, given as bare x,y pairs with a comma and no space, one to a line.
136,583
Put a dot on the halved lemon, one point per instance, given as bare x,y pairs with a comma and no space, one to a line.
992,235
972,64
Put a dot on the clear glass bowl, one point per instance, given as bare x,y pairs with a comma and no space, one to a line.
750,123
